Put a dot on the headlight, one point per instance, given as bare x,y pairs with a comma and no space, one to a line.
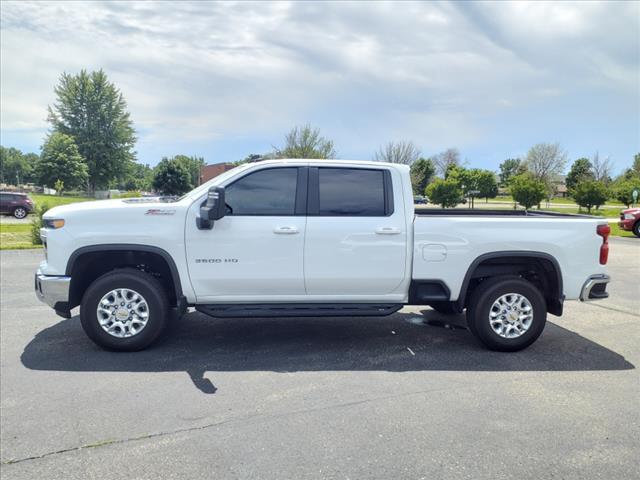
629,216
52,223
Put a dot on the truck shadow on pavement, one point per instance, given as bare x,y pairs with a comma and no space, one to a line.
197,344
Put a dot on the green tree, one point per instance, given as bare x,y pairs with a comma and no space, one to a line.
306,142
446,193
509,168
527,190
16,167
486,184
139,177
193,165
634,171
623,189
171,177
590,193
60,160
422,172
93,111
580,171
474,180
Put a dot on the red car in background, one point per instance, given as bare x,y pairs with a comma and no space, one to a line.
630,220
17,204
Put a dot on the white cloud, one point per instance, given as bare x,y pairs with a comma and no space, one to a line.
365,72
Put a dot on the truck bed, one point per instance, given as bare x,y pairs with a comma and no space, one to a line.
448,241
486,212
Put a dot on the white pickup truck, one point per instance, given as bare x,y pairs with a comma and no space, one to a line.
313,238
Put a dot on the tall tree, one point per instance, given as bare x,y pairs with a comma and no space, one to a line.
306,142
509,168
60,161
580,171
398,152
444,160
171,177
93,111
422,172
602,168
546,161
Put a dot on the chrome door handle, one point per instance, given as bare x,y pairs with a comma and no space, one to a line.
285,230
388,231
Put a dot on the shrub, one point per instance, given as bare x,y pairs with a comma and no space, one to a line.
527,190
130,195
36,223
590,193
446,193
623,189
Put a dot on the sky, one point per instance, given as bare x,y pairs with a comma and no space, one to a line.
223,80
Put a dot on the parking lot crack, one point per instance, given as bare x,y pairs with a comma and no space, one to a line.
105,443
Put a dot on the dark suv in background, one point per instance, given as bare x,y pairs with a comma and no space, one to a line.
17,204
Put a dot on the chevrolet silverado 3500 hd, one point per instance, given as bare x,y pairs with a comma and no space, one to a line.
313,238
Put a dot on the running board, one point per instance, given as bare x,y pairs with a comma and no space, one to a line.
299,310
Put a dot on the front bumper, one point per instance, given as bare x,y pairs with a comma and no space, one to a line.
626,224
595,288
54,291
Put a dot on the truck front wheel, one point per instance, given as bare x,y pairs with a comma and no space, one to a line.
124,310
506,314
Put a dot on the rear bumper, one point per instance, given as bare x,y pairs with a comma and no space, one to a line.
53,290
595,288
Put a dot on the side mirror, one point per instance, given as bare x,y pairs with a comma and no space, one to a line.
213,209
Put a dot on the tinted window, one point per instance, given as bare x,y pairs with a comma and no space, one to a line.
350,191
267,192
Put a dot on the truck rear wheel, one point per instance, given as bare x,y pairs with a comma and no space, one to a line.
506,314
124,310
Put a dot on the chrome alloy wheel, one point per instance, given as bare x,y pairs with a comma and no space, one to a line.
511,315
123,313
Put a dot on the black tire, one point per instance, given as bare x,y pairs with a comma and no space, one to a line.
20,212
481,302
446,308
142,283
636,229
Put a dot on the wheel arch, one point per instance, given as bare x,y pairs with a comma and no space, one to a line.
543,268
88,263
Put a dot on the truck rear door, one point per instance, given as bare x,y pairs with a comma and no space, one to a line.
356,237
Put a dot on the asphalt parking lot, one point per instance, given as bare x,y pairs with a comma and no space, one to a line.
395,397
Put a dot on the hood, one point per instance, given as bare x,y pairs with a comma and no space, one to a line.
129,204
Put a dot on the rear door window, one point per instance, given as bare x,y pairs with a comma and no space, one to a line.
351,192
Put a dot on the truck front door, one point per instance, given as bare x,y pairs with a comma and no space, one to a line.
255,252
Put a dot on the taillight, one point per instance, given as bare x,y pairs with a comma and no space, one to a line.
604,231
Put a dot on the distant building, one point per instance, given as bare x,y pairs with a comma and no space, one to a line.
207,172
